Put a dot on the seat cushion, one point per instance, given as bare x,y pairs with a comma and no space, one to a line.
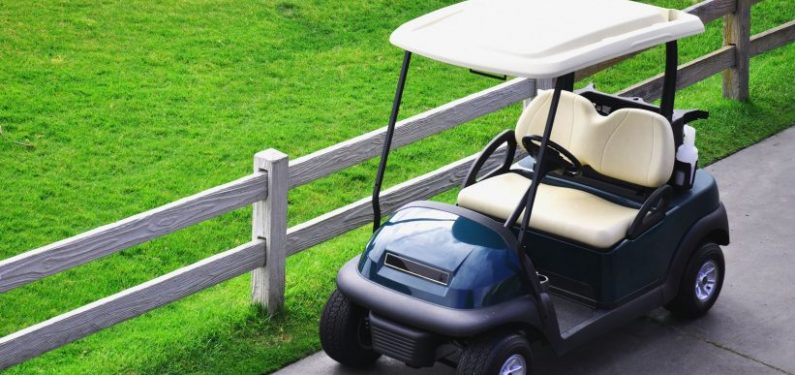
565,212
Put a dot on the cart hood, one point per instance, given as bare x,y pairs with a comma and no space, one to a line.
444,254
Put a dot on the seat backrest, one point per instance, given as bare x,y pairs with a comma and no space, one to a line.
629,144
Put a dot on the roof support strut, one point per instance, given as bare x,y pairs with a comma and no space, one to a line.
390,131
562,83
669,86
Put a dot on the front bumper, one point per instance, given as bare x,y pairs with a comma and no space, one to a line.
440,320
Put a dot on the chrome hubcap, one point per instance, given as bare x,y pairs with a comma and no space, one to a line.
706,280
514,365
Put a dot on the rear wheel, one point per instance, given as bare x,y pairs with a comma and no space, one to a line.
496,355
701,283
344,333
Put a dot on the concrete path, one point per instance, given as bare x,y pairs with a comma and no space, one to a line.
750,330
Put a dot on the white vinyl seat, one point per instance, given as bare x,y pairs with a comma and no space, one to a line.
565,212
631,145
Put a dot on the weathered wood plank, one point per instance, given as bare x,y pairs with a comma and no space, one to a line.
687,75
62,255
359,213
270,223
711,10
130,303
345,154
773,38
737,33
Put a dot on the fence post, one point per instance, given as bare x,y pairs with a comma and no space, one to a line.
533,93
270,223
737,32
545,84
535,85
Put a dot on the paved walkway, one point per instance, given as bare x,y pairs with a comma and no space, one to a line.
750,330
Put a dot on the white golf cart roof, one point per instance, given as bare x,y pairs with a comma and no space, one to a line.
541,38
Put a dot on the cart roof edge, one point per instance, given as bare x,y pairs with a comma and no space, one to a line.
541,38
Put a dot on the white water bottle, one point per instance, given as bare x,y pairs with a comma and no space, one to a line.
687,152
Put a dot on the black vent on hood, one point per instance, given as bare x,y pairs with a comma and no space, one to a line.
420,270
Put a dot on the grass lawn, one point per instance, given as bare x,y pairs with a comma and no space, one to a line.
110,108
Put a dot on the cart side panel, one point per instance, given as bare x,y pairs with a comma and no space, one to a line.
607,278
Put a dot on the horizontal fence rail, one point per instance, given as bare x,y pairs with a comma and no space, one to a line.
356,150
688,74
267,188
62,255
699,69
711,10
773,38
356,214
130,303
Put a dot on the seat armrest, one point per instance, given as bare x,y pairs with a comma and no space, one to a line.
682,117
685,116
506,137
651,212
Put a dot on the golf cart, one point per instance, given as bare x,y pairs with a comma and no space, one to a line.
605,218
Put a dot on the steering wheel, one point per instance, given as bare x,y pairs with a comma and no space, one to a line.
558,158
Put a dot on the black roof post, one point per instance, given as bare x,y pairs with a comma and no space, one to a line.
669,87
390,131
561,84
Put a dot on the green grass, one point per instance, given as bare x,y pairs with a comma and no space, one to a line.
111,108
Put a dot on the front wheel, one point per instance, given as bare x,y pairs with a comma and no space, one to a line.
496,355
701,283
344,333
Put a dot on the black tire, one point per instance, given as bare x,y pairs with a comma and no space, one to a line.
486,356
687,304
344,334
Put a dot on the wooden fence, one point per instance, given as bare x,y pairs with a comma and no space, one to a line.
273,176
